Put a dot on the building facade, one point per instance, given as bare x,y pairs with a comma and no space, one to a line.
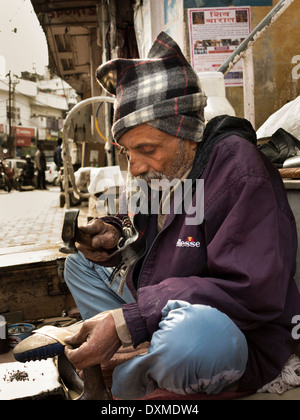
32,112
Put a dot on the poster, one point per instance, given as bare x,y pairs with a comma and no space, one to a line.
214,35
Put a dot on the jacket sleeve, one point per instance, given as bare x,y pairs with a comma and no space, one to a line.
250,258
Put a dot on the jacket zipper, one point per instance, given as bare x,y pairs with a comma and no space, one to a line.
154,242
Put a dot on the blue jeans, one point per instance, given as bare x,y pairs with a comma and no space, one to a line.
195,349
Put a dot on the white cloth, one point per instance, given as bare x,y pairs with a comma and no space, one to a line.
286,118
105,178
288,379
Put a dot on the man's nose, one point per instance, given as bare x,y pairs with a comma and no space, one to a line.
137,166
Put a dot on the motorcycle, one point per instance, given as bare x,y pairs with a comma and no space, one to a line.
23,182
4,181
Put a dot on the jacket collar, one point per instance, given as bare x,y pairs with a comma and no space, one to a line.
217,130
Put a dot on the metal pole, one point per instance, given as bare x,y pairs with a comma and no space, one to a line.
249,98
239,53
9,115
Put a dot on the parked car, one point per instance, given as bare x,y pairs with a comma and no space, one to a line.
51,173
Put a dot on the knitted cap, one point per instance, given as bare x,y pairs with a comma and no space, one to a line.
162,90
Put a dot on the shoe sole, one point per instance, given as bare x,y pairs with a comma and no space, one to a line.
44,343
41,353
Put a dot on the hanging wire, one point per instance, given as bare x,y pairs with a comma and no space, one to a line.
98,129
97,124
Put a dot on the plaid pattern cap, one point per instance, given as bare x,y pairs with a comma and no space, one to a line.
162,90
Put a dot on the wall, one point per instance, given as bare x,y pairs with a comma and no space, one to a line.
276,81
38,110
155,16
22,102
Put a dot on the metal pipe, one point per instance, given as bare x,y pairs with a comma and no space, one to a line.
239,53
249,97
104,24
68,168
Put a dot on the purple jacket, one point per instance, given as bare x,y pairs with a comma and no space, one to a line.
245,261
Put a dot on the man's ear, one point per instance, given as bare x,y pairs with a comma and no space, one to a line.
192,145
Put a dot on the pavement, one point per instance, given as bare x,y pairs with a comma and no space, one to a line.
31,225
30,230
30,218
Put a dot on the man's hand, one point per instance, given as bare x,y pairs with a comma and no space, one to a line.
96,239
95,343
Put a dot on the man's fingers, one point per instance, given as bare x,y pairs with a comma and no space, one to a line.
84,355
98,234
83,238
95,343
77,339
108,239
76,347
77,356
96,226
92,255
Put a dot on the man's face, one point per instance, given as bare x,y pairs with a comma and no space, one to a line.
153,154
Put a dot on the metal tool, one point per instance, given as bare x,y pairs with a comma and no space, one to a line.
92,387
70,232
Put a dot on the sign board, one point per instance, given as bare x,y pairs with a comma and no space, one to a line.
23,136
214,34
93,155
221,3
73,16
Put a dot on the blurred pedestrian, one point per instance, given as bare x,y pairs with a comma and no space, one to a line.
40,163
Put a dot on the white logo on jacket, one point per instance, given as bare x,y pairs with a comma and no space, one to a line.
189,242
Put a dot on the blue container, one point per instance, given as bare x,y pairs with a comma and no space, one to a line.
18,332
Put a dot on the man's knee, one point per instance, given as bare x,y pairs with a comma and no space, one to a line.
201,344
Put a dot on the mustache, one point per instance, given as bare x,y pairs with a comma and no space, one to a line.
149,176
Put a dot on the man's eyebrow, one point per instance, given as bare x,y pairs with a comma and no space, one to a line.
141,145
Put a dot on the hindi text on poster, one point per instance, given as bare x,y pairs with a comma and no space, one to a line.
214,35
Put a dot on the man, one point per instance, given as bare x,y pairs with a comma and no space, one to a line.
40,163
216,297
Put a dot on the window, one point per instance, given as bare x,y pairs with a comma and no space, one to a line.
15,113
63,43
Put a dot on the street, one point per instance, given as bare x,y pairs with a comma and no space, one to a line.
30,218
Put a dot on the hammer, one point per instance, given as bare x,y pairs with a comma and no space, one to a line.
70,232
